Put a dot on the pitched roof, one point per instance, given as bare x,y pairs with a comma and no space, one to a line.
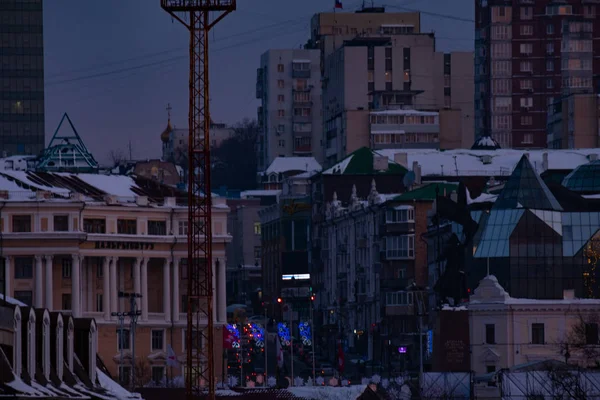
361,163
525,189
427,192
287,164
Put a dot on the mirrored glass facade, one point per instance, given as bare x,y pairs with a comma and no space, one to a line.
584,179
21,77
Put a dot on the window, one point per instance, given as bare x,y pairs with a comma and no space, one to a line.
158,339
525,66
398,247
526,120
501,50
280,98
526,30
21,223
280,68
257,228
280,128
501,32
280,83
549,29
67,265
503,104
490,369
124,374
257,253
525,84
184,304
526,102
591,333
302,127
402,214
23,267
302,97
526,48
549,83
301,84
281,113
158,373
300,66
94,225
526,12
65,301
123,339
99,298
24,296
490,333
183,268
398,298
157,228
549,48
61,223
537,333
127,226
501,68
183,228
196,337
281,143
549,65
302,112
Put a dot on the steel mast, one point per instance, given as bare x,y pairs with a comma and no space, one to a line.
200,370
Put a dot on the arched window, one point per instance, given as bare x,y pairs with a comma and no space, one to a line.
17,353
59,347
46,342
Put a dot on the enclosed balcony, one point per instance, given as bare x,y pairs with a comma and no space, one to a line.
301,69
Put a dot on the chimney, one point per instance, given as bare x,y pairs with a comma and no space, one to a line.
417,170
170,202
592,157
380,163
545,161
42,195
141,201
569,294
402,159
111,199
77,196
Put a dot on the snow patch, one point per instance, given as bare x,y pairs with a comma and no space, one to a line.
447,307
328,392
13,301
22,387
227,392
113,387
341,166
287,164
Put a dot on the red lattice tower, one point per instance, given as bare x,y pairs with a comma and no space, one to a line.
195,15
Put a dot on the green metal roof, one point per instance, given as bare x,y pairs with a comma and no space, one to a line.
361,163
427,193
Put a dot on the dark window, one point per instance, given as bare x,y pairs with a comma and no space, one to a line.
370,58
157,228
67,265
371,86
66,301
406,58
94,225
24,296
447,64
490,333
591,333
23,267
61,223
184,304
127,226
123,339
490,369
124,374
158,373
21,223
388,52
537,334
158,336
183,268
388,86
196,338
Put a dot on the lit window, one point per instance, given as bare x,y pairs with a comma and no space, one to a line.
257,228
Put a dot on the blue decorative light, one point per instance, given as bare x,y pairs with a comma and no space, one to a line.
305,333
284,333
258,333
233,329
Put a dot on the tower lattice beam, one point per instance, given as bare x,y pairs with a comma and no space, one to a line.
195,16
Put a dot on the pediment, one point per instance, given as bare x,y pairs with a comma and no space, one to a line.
126,357
159,356
489,356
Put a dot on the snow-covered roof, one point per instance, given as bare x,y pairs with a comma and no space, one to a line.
13,301
488,163
406,112
287,164
259,193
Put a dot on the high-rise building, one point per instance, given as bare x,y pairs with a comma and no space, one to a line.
376,62
288,83
21,77
528,55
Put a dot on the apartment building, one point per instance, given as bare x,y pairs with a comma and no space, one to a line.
288,83
71,243
528,55
386,66
21,78
573,122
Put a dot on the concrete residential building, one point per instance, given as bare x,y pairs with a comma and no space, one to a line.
70,243
527,56
288,83
21,77
384,67
573,122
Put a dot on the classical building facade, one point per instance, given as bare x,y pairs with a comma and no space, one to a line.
72,243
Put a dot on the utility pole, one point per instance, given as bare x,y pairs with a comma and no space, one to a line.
133,315
266,339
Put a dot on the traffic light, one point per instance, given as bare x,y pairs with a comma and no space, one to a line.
312,297
279,300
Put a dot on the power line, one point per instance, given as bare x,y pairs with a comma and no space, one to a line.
431,14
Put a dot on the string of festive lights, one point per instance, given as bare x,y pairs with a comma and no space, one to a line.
589,275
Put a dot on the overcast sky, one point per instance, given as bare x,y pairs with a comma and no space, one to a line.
113,65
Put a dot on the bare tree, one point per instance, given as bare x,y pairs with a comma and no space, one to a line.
142,373
116,156
566,383
582,340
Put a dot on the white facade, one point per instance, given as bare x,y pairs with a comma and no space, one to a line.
506,331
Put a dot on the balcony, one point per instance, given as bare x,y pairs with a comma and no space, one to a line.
303,149
302,119
393,284
303,103
396,228
301,70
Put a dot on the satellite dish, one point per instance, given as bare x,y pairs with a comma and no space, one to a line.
409,179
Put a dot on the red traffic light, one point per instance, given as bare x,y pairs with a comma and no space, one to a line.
312,297
279,300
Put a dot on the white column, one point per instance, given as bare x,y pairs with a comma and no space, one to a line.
76,286
136,280
49,283
222,292
144,268
176,299
7,275
106,288
39,302
167,290
113,284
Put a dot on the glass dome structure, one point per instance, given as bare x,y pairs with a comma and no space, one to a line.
584,179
